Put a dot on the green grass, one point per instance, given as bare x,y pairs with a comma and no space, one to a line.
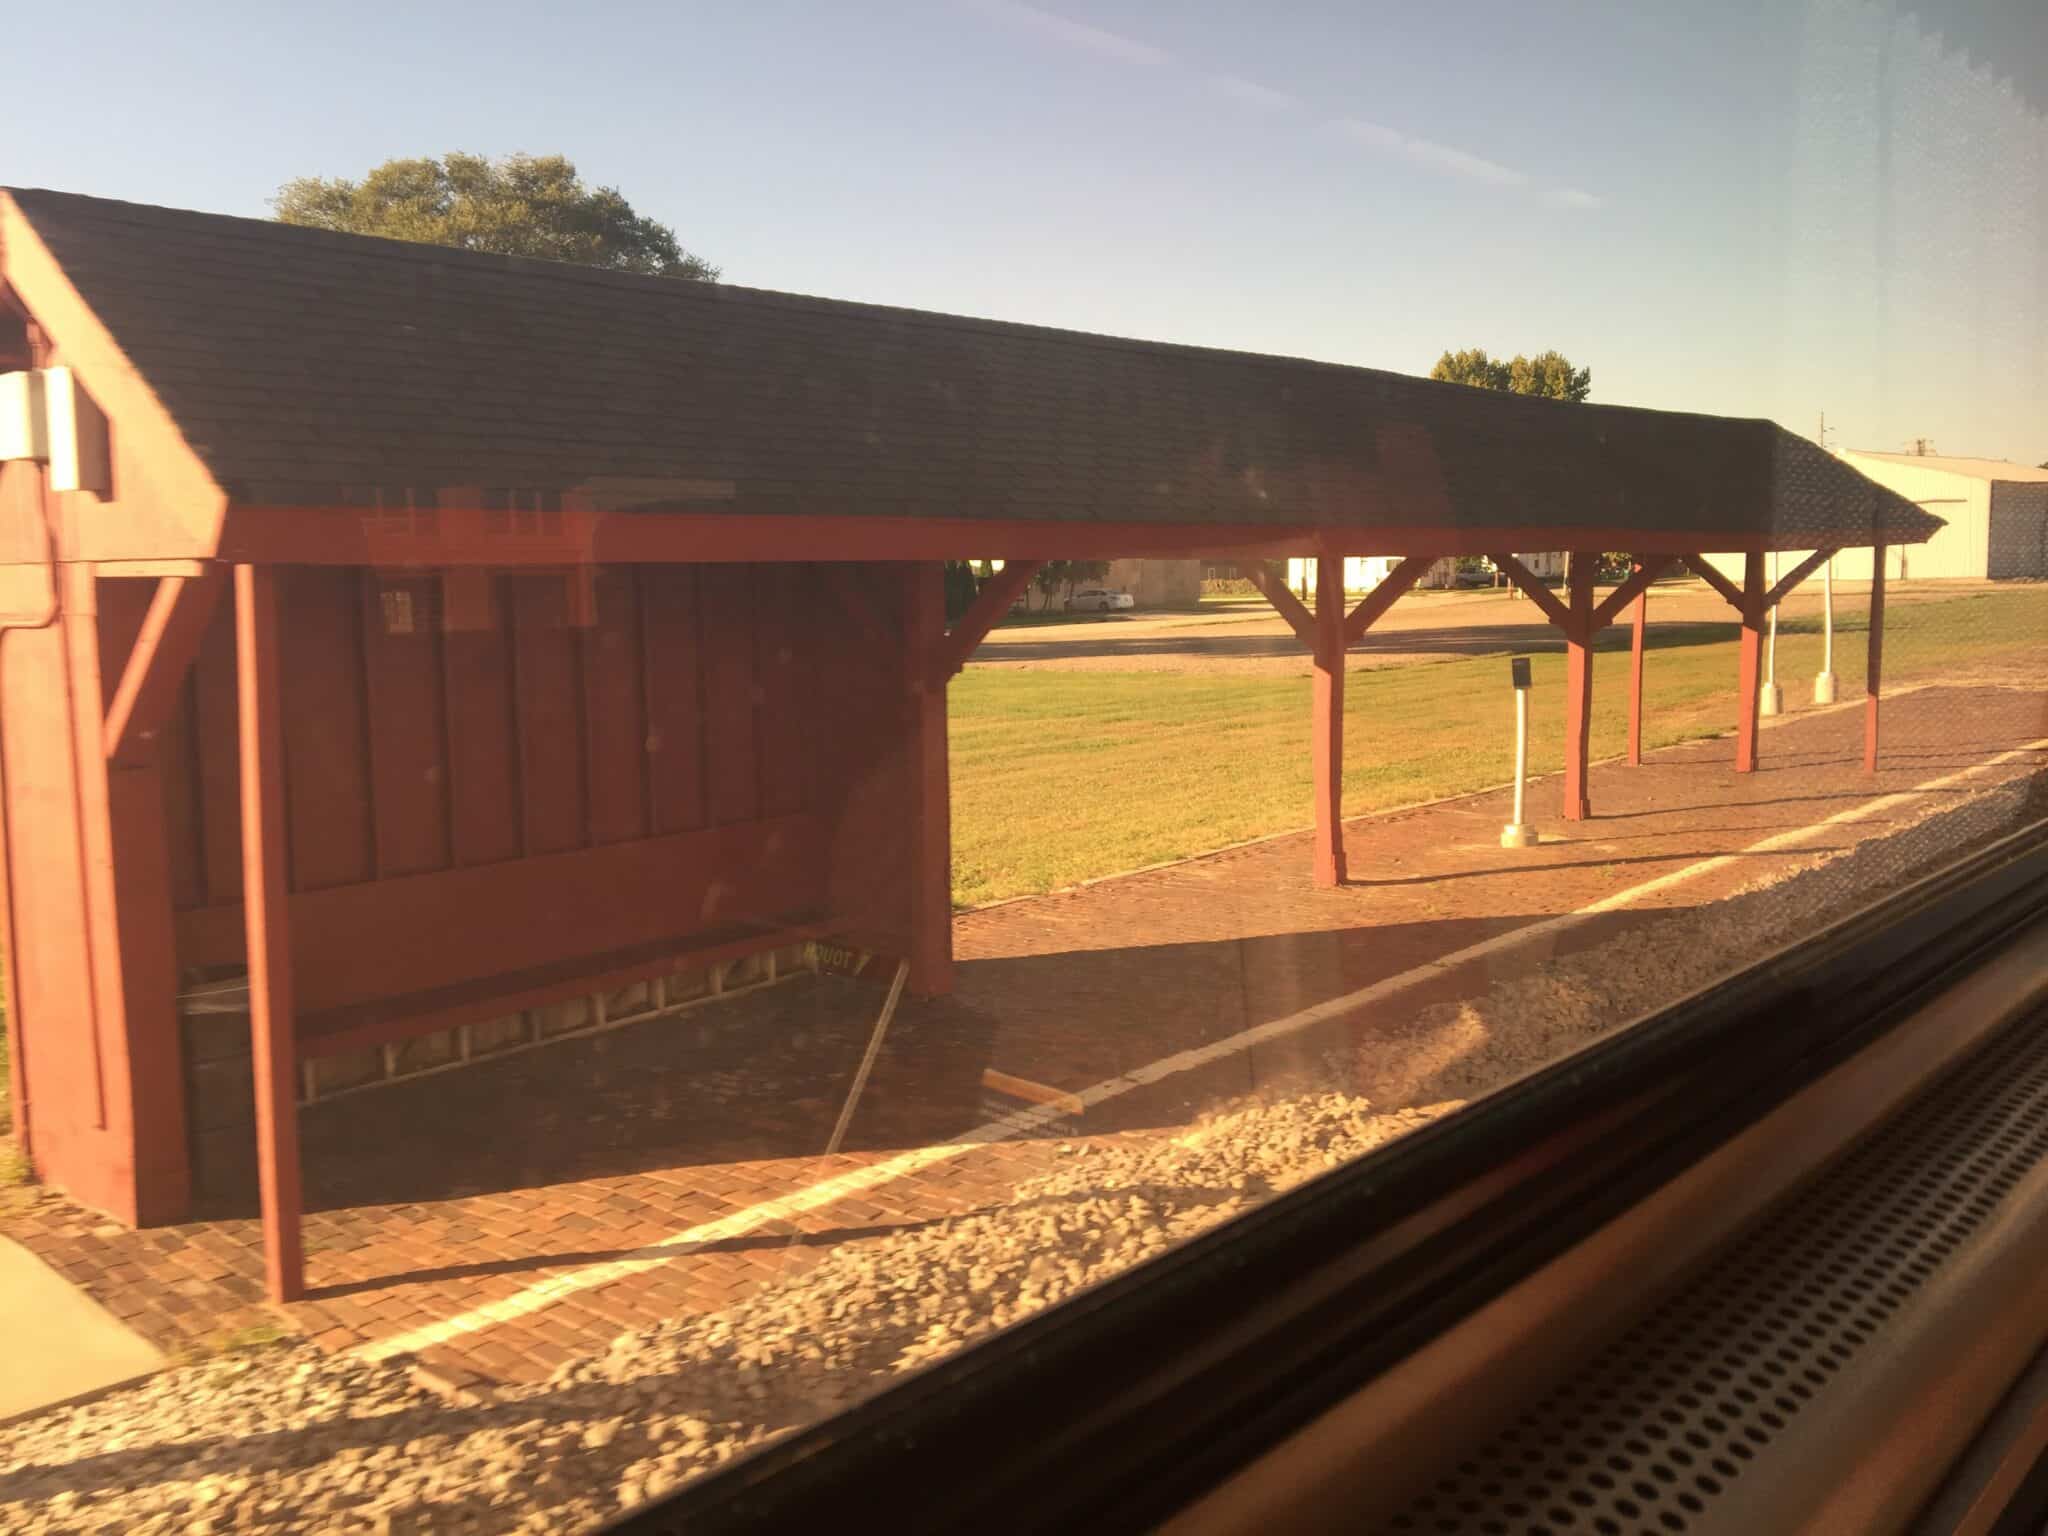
1062,776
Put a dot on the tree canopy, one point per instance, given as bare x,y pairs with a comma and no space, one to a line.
1548,374
518,205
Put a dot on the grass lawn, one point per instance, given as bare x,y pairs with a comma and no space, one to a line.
1063,776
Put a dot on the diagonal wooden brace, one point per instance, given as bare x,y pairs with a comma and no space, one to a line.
990,604
1796,575
1536,592
1647,570
1289,607
1698,565
162,654
1383,596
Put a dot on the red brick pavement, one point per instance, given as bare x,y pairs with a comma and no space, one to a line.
432,1198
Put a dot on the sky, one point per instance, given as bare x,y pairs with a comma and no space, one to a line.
1776,208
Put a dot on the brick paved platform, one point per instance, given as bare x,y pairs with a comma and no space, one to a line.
438,1198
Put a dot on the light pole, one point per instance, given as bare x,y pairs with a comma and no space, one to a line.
1516,834
1771,701
1824,684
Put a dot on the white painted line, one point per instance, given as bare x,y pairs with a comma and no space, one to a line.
544,1293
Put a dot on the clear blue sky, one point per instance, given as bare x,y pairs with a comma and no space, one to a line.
1759,207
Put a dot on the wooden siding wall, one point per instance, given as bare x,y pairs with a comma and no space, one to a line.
701,702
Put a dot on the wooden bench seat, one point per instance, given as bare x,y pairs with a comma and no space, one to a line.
358,1026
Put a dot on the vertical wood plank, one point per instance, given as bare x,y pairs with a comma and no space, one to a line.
1578,687
1873,677
930,830
218,756
673,664
787,611
1749,684
326,729
483,753
548,677
178,759
731,702
1327,744
407,730
615,725
265,909
1640,618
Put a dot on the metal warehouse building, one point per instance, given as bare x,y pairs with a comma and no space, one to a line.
1995,512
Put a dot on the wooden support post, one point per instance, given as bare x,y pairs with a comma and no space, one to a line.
266,925
1874,670
1641,619
1749,686
931,862
1328,743
1578,686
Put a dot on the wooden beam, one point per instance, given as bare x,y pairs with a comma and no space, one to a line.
1796,575
1327,743
1698,565
459,535
1538,593
157,663
1284,602
152,569
1873,675
1635,678
1383,596
990,604
1578,685
1749,685
1647,570
267,927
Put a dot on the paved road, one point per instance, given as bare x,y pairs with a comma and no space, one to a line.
1422,626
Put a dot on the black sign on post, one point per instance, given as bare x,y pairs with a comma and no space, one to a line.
1519,665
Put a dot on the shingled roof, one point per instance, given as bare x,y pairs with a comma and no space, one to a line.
311,368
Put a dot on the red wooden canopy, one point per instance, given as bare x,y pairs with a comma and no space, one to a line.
533,569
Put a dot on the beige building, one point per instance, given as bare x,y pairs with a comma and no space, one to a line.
1996,511
1157,583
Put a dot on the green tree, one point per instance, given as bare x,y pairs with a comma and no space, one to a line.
962,586
1548,374
1471,366
519,205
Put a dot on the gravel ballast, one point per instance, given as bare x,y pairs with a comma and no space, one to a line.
289,1439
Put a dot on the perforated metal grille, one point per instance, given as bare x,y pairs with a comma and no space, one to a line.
1677,1411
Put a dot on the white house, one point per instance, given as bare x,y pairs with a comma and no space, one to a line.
1364,572
1996,511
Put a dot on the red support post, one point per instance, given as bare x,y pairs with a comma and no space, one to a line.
1874,671
1578,686
1328,744
266,927
1749,686
931,828
1641,619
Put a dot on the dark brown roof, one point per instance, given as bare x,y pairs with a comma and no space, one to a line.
309,367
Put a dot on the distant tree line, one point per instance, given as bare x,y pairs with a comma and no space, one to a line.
1547,374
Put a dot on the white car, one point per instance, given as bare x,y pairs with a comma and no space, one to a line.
1099,600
